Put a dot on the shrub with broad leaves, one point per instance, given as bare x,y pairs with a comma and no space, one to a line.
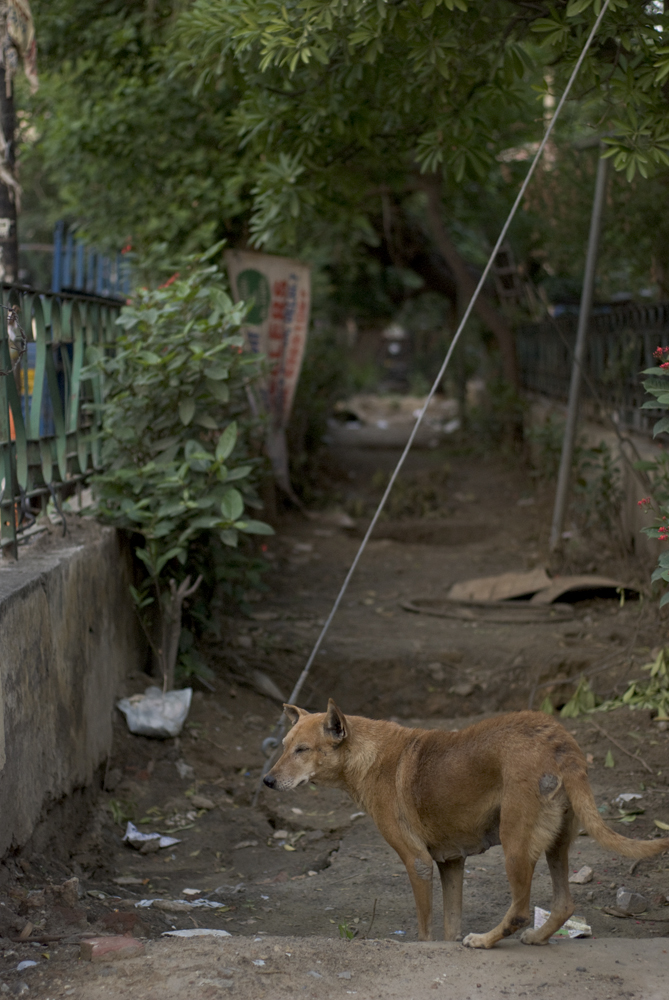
177,438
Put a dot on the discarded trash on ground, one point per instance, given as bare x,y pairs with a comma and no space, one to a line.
178,905
156,713
135,839
192,932
372,421
630,902
626,797
575,927
523,598
538,588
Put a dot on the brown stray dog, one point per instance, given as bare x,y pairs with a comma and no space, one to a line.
519,780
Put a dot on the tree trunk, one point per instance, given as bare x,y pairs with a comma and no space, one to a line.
9,188
171,627
466,284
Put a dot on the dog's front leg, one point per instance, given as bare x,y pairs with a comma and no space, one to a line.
420,876
451,873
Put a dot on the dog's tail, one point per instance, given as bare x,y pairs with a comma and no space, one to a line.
584,805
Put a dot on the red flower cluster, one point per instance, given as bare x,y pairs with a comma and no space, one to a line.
643,503
664,537
170,281
661,353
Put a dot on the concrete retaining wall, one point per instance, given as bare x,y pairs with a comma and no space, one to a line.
593,433
68,637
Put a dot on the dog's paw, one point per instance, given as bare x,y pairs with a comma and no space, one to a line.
475,941
532,936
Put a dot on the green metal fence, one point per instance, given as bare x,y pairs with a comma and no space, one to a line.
48,433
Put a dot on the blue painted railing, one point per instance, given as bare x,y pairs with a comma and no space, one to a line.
78,267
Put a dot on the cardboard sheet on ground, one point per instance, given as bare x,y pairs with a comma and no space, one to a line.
536,586
504,587
522,598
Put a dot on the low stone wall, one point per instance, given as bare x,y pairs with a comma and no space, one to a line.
593,433
68,637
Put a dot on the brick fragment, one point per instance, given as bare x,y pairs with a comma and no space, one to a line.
110,949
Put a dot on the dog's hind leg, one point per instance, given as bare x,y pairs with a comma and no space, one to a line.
451,874
522,847
562,905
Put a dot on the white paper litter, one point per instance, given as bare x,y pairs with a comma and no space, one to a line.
156,713
208,904
197,932
626,797
575,927
137,839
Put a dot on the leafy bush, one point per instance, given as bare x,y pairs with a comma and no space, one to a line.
177,440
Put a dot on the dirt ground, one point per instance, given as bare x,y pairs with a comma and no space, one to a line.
308,864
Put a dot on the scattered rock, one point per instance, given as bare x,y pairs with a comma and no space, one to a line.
582,876
184,769
171,906
343,975
245,843
109,949
202,802
150,847
464,689
630,902
280,834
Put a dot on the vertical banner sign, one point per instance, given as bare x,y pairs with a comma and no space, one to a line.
276,326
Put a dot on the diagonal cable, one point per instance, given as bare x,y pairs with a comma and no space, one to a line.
437,382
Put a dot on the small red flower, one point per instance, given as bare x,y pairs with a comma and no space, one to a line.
127,248
660,352
263,548
665,365
170,281
644,502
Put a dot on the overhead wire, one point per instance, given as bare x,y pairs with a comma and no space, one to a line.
272,742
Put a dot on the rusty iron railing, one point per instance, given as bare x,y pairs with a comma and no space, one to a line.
48,419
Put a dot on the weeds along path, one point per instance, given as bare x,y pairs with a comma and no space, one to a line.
306,864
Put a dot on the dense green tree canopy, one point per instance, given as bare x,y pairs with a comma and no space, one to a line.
322,127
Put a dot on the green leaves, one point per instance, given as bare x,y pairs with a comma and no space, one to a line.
176,378
226,442
232,505
254,527
186,410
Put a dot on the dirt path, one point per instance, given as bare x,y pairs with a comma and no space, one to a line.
305,864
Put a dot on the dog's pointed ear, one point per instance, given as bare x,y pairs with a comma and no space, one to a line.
335,722
293,713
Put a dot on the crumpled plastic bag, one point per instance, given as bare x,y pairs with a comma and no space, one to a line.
137,839
155,713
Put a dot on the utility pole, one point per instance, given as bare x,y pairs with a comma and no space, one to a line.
564,475
9,243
